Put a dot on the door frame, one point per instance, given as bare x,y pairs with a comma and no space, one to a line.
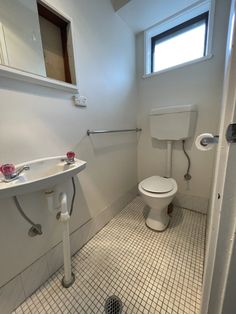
217,196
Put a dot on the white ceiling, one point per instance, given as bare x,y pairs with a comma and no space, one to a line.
142,14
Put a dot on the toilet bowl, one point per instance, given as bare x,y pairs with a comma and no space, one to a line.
158,192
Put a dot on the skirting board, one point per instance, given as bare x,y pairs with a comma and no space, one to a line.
13,293
196,203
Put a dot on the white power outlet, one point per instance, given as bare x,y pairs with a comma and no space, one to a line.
80,101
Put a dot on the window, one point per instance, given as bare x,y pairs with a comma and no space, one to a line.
180,44
180,39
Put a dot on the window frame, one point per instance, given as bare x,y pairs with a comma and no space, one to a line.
171,22
180,29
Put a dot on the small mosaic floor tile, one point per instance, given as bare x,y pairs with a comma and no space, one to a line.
150,272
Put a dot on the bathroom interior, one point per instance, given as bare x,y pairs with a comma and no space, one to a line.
116,164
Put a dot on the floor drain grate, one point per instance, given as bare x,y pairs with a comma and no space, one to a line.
113,305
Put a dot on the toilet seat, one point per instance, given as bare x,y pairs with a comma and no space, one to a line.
158,185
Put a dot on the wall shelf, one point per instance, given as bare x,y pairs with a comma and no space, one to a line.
36,79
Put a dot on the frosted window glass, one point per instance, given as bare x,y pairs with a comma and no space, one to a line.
180,48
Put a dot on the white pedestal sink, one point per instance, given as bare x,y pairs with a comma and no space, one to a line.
43,174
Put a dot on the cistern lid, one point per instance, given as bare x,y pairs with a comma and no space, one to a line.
157,184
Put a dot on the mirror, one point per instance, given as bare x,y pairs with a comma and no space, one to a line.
36,38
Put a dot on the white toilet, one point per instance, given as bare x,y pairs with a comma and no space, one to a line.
158,192
169,124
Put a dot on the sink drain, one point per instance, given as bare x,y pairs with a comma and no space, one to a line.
113,305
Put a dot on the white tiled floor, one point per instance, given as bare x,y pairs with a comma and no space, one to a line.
150,272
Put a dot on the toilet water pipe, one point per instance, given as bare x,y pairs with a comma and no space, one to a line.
69,277
169,159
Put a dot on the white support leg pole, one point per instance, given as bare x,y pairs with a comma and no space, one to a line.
69,277
169,159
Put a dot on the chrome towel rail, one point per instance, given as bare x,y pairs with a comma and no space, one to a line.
112,131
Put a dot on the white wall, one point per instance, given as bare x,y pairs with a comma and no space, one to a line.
199,84
37,122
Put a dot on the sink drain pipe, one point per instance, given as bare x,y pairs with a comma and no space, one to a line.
69,277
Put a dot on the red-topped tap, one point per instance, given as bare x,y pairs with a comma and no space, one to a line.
70,156
8,170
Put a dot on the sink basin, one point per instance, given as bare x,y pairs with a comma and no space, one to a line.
43,173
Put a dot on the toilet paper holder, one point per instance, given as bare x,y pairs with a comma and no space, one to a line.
210,140
214,139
